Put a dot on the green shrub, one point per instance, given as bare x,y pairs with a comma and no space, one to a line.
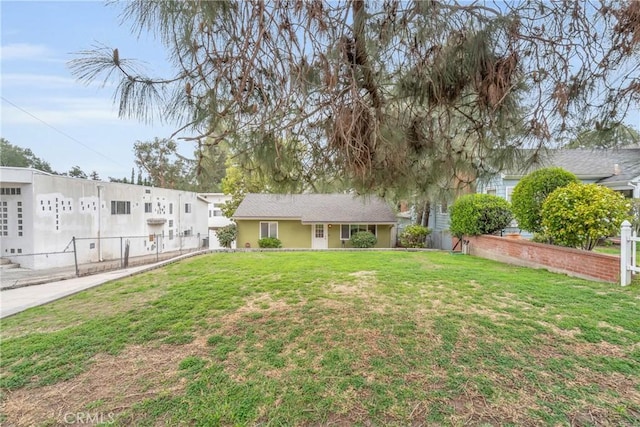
476,214
226,235
529,194
414,236
363,239
270,242
579,215
635,215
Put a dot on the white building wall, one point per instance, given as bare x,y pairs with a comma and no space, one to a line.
56,209
216,219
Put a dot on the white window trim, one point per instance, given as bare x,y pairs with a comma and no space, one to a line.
375,233
508,191
268,229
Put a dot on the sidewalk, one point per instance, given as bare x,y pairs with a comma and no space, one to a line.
32,288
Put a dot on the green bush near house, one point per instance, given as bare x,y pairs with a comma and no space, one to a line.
270,242
529,194
476,214
579,215
414,236
227,234
363,240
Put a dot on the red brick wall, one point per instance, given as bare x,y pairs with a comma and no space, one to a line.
574,262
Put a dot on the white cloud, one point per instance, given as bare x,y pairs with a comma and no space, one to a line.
36,80
61,111
26,51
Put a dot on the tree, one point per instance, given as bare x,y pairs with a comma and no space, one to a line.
12,155
532,190
237,184
392,96
227,234
616,135
94,176
579,215
76,172
476,214
163,164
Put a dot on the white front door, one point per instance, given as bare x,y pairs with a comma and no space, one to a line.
319,236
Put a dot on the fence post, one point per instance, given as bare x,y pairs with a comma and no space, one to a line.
625,253
75,256
155,238
121,256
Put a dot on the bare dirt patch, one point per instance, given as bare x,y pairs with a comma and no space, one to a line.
110,386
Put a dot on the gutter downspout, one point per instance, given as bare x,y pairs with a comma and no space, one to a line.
100,187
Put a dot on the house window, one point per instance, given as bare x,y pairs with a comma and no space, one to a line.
268,229
10,191
444,208
170,223
120,207
348,230
170,208
509,192
319,231
148,207
187,208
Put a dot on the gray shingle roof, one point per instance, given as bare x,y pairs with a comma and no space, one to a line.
310,208
596,164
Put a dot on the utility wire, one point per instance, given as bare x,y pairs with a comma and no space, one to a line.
60,132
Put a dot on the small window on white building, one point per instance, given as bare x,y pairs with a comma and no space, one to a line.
187,208
148,208
120,207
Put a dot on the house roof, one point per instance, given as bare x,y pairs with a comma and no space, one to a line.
311,208
597,164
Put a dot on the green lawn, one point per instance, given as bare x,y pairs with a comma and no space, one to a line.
318,338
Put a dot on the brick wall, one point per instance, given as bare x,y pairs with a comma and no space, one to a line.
574,262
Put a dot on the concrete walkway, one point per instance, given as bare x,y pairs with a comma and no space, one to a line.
15,300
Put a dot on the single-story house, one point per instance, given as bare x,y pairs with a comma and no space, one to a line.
617,169
317,221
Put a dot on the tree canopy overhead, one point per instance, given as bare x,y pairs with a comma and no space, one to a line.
391,95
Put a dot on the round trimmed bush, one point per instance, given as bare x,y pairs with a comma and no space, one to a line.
270,242
579,215
476,214
363,239
529,194
414,236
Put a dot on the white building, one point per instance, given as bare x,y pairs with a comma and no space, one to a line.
41,213
216,218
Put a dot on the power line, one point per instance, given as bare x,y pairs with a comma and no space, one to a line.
60,131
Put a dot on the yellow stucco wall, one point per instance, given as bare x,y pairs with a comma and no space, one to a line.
294,234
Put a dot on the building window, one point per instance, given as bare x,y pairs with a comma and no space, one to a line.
348,230
444,208
148,207
186,233
120,207
170,234
268,229
319,231
187,208
508,193
13,191
170,208
170,223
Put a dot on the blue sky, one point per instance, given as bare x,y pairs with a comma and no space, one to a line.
82,125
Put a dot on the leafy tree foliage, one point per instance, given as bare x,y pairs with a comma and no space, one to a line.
476,214
579,215
363,240
529,194
76,172
414,236
12,155
227,234
394,96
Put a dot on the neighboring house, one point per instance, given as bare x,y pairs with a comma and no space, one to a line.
318,221
216,218
616,169
41,213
